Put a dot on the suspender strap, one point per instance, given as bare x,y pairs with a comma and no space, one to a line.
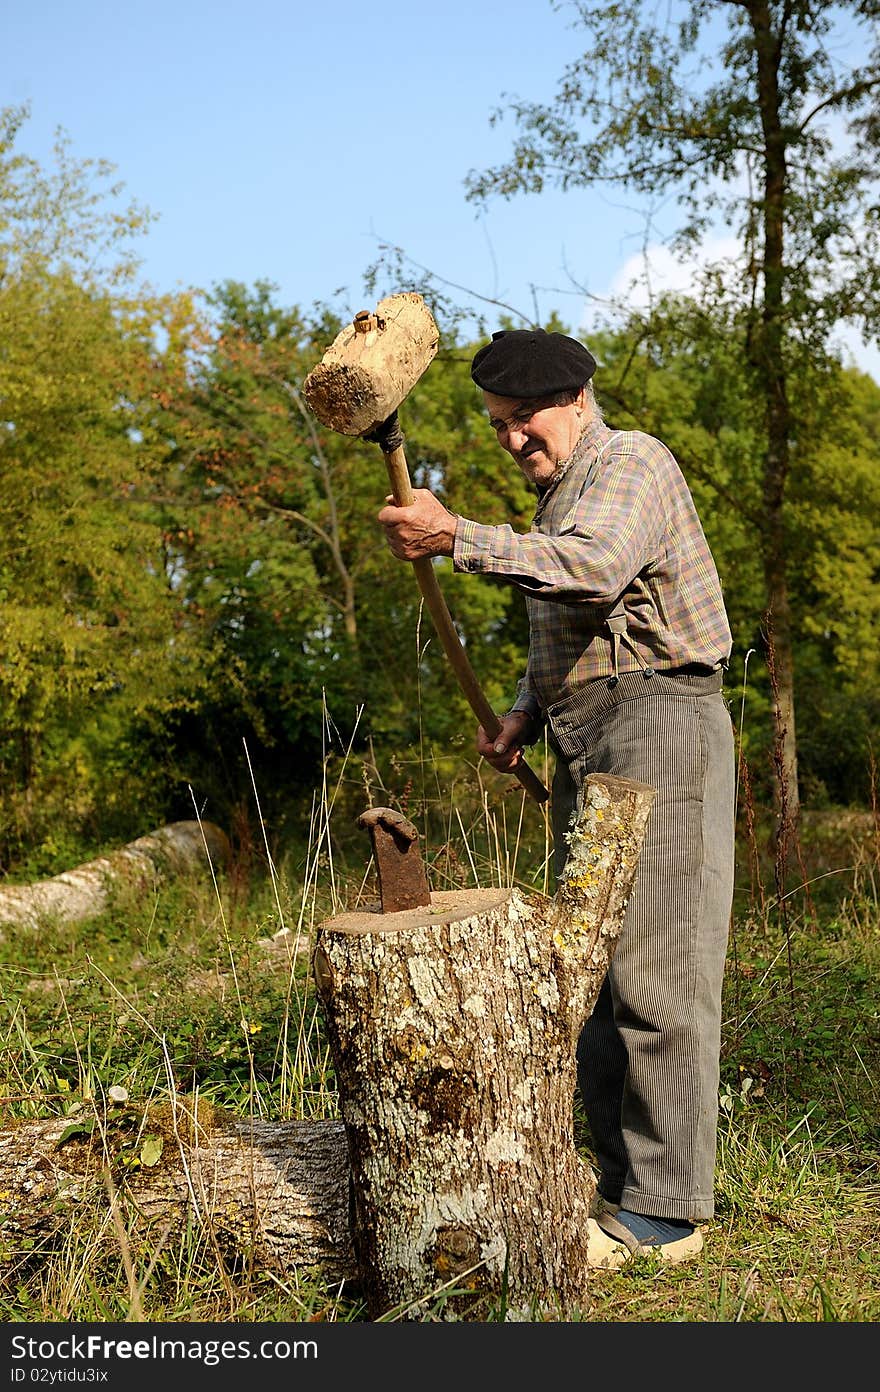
616,622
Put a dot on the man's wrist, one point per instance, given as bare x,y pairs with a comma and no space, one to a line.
532,723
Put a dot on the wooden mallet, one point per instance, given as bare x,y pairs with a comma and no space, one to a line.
365,374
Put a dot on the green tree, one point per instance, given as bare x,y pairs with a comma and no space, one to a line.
90,643
273,521
678,374
760,118
256,526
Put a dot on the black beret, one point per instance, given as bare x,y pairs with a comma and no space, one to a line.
532,362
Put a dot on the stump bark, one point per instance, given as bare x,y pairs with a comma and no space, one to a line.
452,1029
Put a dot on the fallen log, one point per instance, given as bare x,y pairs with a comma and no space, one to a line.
276,1192
84,892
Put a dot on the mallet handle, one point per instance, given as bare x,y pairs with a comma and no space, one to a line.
401,489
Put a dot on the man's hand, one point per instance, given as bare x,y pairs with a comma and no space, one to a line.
425,528
504,752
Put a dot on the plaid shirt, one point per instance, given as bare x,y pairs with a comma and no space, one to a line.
618,523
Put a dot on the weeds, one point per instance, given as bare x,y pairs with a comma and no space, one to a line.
202,996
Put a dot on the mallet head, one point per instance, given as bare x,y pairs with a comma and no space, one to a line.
372,365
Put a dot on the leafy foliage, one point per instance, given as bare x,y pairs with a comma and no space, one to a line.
89,637
760,121
197,602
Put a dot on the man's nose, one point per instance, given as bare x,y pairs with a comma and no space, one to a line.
517,437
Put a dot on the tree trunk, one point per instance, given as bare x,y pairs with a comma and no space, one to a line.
453,1030
175,849
770,359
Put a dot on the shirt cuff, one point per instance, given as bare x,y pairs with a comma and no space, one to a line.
472,548
529,705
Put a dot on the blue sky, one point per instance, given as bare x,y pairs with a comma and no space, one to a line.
285,142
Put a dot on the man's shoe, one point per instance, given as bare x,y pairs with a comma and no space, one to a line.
681,1249
603,1252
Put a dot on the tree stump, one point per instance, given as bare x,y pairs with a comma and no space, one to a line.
452,1029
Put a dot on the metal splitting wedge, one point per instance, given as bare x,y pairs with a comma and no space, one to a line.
400,870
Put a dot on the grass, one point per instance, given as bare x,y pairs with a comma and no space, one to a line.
202,990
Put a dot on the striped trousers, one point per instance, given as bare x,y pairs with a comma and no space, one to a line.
648,1056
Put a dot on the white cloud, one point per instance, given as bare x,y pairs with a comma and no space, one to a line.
857,353
656,271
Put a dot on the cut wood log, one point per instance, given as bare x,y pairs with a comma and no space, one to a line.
277,1192
84,892
367,371
453,1030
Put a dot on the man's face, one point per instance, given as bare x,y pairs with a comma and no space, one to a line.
539,435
